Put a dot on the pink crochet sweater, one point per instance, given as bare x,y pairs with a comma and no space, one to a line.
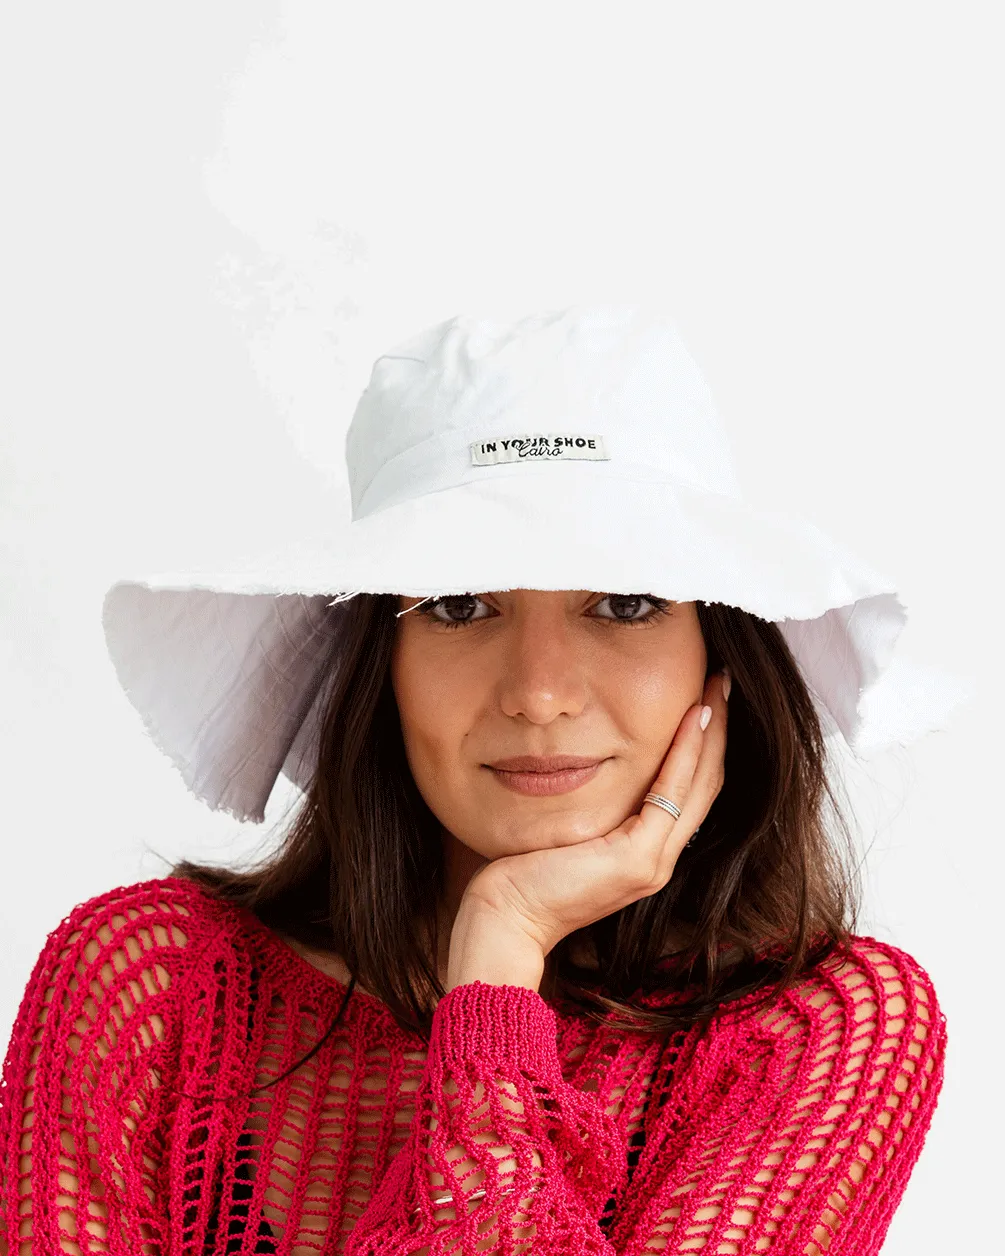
130,1121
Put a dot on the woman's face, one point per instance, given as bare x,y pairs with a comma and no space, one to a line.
484,677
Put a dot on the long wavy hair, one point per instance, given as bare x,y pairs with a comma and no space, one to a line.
768,891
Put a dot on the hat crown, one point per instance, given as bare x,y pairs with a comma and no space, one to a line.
617,371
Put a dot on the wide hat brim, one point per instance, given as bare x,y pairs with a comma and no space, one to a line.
225,667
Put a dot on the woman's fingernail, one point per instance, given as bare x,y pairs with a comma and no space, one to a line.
706,715
727,682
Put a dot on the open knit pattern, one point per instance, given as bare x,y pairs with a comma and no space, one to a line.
129,1122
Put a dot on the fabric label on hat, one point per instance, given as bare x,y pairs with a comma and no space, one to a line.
487,453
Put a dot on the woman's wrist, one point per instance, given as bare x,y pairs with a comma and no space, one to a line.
484,947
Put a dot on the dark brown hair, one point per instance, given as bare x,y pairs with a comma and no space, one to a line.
762,896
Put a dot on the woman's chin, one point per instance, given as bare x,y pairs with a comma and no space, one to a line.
519,838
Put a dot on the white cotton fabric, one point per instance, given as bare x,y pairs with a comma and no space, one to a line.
225,667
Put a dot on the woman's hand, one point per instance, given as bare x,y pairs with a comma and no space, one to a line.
527,903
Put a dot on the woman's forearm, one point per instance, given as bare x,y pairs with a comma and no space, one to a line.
483,948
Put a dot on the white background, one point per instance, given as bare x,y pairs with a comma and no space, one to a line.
214,217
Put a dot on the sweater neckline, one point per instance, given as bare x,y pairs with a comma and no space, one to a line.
293,961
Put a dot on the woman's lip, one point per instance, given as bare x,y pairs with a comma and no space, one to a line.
539,784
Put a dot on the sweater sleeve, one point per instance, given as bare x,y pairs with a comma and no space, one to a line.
494,1115
89,1060
796,1132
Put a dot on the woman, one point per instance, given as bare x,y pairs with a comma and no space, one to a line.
546,962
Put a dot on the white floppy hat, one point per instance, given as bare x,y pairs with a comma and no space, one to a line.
572,449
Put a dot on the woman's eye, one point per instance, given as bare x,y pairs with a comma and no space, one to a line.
455,606
626,605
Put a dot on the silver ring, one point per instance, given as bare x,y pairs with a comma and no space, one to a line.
665,803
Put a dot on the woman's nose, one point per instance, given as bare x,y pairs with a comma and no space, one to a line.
543,675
